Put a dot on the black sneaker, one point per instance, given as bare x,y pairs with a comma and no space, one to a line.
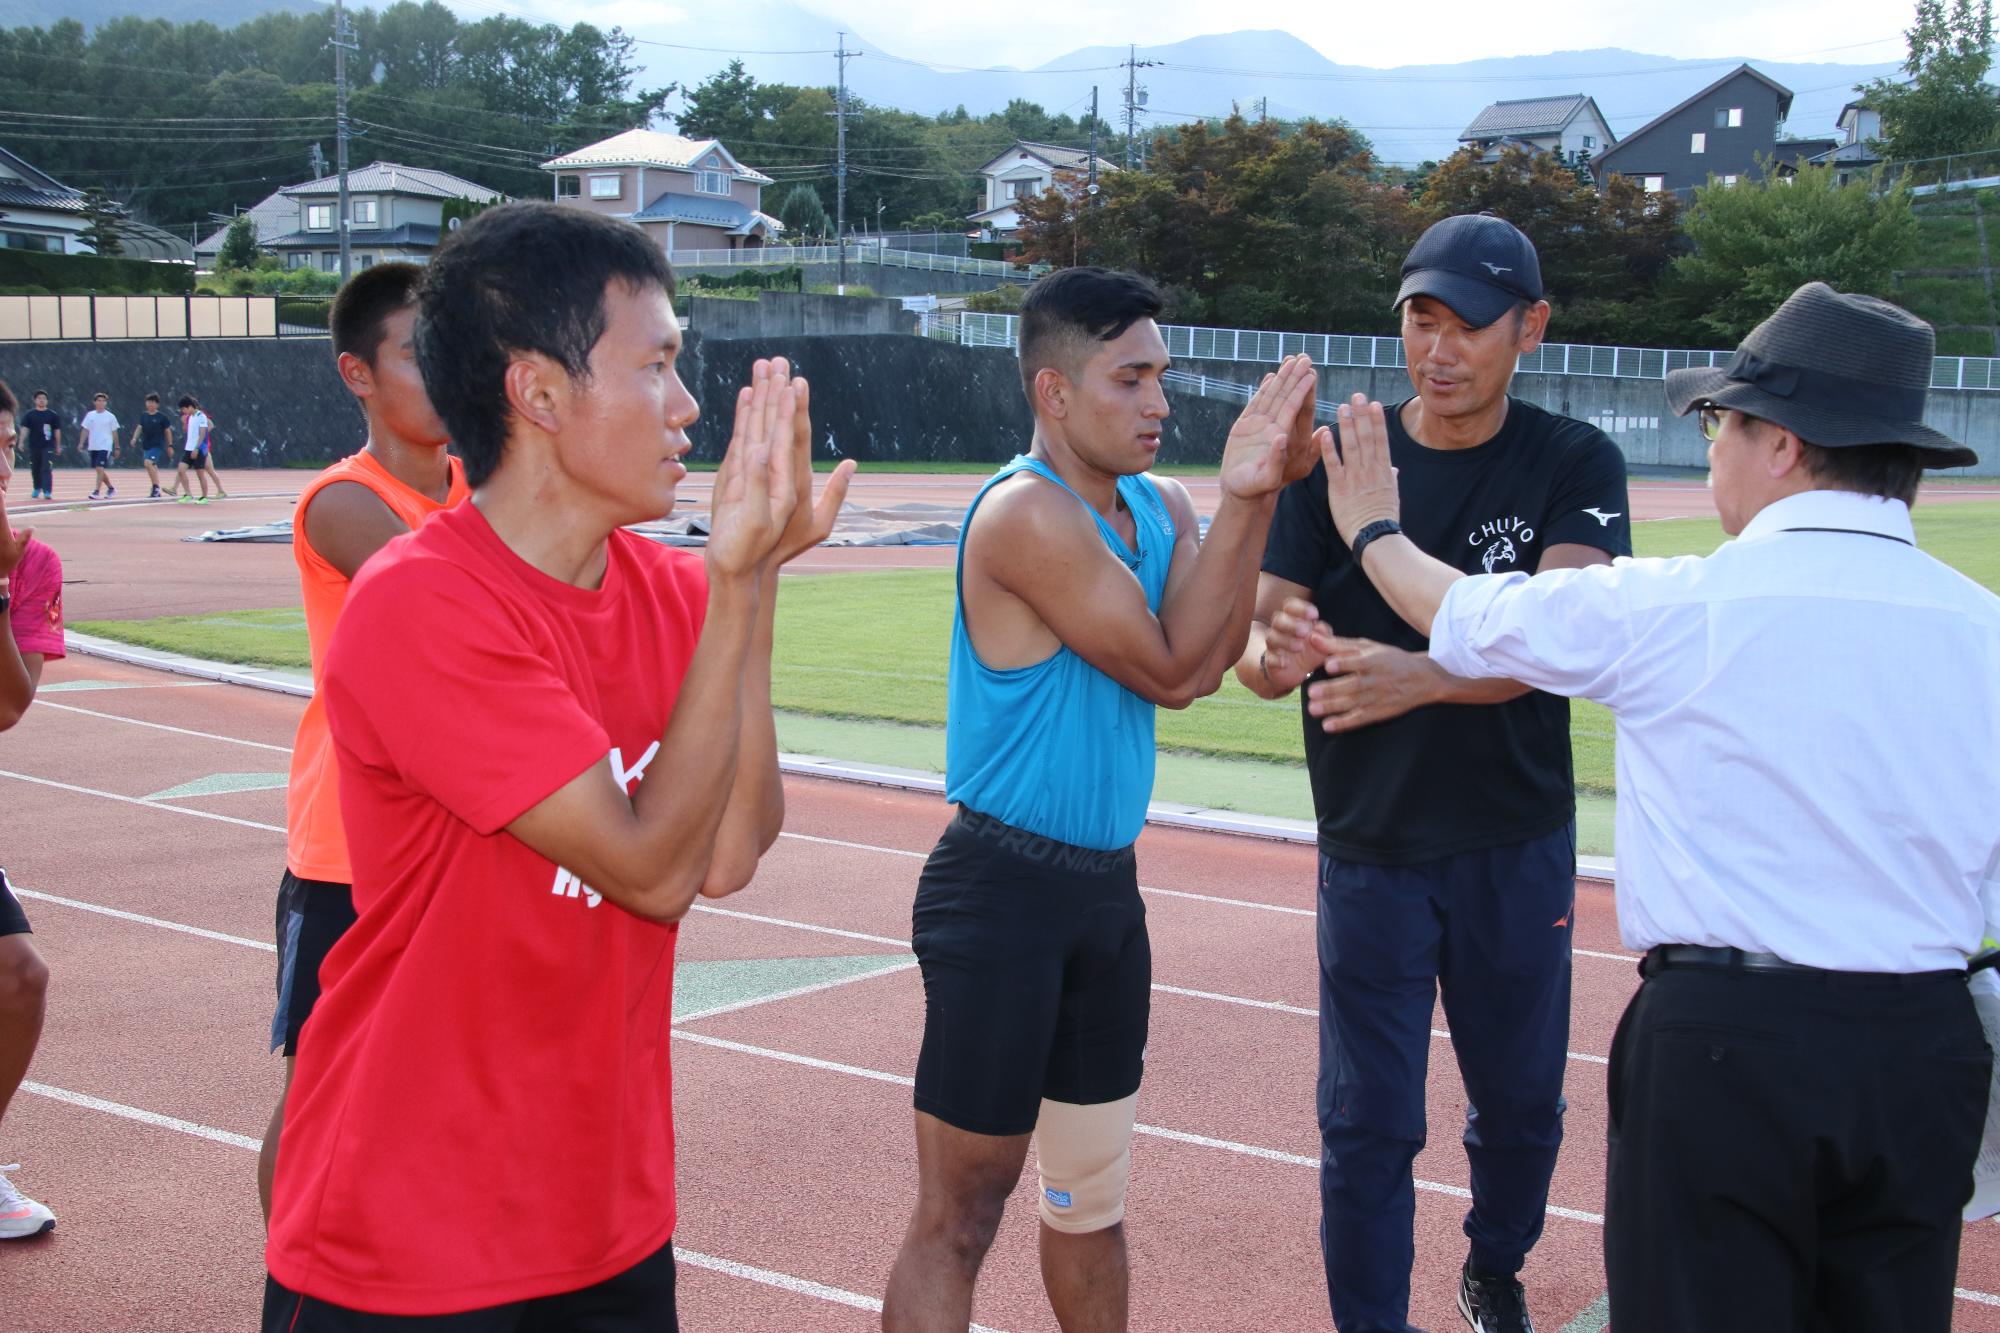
1493,1304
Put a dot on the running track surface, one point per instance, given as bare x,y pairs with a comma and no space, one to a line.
125,559
145,830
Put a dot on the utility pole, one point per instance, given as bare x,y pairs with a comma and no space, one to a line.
343,42
1135,97
1091,190
840,163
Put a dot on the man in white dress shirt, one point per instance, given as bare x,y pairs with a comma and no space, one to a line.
1808,833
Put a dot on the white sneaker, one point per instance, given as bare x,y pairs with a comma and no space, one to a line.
20,1216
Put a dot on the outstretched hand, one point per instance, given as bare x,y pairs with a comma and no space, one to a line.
756,493
812,522
1259,456
1295,643
1360,483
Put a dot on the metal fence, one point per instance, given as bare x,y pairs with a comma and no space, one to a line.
1335,349
779,256
128,318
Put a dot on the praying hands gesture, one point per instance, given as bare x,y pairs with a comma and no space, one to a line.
1273,441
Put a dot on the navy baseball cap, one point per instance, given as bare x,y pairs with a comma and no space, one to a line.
1478,264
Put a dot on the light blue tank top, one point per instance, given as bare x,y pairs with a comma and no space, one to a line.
1058,748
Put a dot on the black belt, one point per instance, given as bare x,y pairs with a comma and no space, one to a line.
1662,956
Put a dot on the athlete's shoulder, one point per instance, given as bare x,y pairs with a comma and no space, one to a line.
657,561
40,566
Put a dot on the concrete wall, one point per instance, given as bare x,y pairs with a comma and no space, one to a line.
791,314
883,395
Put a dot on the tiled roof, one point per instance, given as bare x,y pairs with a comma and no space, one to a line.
17,195
414,234
706,211
650,148
393,178
1524,116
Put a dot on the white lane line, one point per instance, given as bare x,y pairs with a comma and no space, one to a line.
739,1005
1151,1131
1614,957
718,911
154,921
783,1281
1976,1297
153,1118
161,726
135,800
1228,902
786,1282
801,925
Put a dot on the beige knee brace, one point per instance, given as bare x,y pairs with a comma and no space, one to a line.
1085,1153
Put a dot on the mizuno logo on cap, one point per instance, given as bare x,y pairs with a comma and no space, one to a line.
1495,269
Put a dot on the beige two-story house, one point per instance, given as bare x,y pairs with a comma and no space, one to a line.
689,194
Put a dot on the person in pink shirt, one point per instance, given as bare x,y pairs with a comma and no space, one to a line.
31,602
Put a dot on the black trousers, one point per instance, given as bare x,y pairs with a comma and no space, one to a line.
41,470
1791,1151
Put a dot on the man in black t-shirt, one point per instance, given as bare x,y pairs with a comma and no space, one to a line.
1446,807
41,436
154,434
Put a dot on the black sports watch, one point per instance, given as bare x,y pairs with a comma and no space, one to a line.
1381,527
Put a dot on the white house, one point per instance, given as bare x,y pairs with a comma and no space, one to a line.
38,212
1026,171
690,194
1569,127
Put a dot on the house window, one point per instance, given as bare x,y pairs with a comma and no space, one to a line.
1699,143
607,187
1655,184
569,187
329,261
319,217
298,259
27,240
364,260
1729,118
1023,189
1589,142
364,212
1728,180
712,182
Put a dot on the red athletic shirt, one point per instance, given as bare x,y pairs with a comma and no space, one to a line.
483,1112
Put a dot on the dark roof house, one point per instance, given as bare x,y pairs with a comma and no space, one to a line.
1722,131
1571,127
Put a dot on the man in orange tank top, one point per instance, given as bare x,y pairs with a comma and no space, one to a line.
400,477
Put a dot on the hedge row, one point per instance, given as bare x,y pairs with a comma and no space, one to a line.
93,273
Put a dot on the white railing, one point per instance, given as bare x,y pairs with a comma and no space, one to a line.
1189,342
780,256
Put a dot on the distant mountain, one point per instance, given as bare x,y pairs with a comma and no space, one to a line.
94,13
1411,113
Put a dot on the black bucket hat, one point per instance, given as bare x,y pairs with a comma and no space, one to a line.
1836,370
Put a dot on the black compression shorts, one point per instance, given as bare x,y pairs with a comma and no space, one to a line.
1037,976
13,920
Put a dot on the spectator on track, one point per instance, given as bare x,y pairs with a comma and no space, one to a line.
153,436
1809,755
480,1132
1088,597
31,599
40,433
98,437
195,427
1447,814
401,475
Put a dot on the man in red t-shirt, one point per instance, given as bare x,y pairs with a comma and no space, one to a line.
31,609
480,1124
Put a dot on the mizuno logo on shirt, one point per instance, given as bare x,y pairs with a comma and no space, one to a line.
1604,519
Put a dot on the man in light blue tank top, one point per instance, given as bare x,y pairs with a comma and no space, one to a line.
1086,599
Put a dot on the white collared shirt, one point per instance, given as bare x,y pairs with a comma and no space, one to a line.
1808,731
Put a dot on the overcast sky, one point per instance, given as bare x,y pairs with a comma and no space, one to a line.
1031,32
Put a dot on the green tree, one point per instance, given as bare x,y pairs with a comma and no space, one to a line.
100,224
1757,242
1247,223
239,245
1946,105
1603,251
803,214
